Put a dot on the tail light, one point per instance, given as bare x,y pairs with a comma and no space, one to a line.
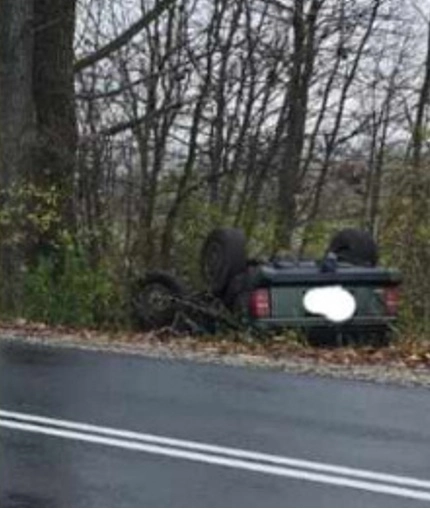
392,299
259,303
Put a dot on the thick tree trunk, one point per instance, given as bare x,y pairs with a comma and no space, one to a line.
16,104
53,89
16,132
38,134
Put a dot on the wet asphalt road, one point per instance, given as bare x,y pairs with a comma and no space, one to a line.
343,423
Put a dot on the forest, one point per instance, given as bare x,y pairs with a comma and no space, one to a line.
129,129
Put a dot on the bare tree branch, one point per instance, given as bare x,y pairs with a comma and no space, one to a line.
124,38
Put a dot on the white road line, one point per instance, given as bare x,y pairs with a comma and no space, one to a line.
219,460
225,451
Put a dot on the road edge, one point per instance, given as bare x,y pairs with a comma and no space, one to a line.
380,373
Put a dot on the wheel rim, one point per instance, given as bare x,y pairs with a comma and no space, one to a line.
153,301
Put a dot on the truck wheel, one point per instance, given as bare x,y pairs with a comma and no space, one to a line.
152,300
223,256
354,246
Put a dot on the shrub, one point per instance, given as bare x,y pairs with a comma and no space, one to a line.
73,294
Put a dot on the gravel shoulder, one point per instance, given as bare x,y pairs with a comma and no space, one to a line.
405,364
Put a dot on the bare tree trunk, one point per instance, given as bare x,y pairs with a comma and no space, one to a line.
167,239
381,125
219,141
376,182
332,137
424,96
304,27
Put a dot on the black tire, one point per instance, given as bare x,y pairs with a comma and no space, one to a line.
223,256
354,246
152,300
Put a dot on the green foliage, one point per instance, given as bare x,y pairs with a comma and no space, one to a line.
262,240
28,212
66,284
197,219
74,294
317,235
405,242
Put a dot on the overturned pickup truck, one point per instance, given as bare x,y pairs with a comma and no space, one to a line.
343,296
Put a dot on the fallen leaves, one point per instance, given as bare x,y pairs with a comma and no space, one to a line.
410,352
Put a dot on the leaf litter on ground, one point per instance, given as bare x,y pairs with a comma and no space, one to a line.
408,357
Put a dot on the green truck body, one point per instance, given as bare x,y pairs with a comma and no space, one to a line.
373,289
344,292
